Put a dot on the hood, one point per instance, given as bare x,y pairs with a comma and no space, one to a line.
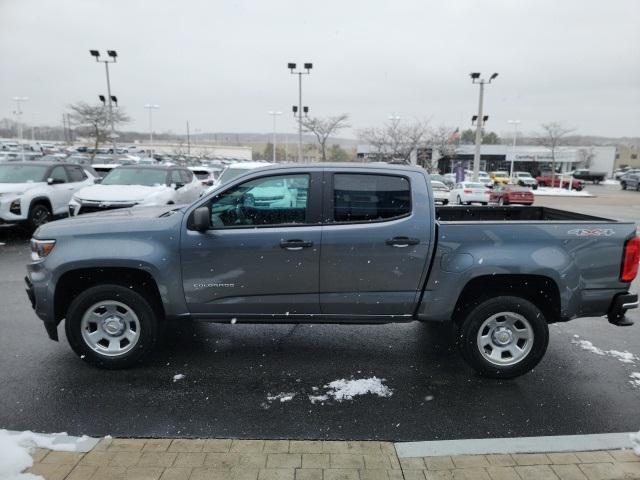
118,193
19,187
112,221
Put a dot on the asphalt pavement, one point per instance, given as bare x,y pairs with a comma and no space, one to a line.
232,372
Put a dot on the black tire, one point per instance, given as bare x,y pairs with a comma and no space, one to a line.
460,201
146,315
484,203
623,185
39,214
473,321
445,202
578,189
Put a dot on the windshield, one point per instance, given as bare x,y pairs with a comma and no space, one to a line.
473,185
231,173
136,176
524,174
22,173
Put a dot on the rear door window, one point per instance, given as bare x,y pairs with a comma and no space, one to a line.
369,198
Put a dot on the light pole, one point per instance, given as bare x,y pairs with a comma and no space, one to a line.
475,78
515,124
18,113
274,114
151,107
113,55
299,109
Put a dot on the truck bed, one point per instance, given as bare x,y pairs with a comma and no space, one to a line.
511,213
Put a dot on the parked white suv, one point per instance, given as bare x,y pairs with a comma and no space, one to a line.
138,185
32,193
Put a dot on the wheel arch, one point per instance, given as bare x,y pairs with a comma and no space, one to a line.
540,290
73,282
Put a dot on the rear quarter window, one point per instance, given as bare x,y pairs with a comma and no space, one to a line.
369,198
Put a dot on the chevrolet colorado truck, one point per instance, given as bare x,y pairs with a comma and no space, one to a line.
332,243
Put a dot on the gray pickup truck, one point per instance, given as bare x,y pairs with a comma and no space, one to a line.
342,243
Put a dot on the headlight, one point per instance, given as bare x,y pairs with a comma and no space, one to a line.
41,248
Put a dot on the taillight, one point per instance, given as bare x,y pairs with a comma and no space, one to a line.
630,260
466,190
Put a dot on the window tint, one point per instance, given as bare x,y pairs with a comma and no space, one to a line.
359,197
277,200
59,173
76,174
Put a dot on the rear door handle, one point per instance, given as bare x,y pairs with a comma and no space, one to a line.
295,244
401,242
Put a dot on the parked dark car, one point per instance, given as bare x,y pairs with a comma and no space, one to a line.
511,194
354,244
589,175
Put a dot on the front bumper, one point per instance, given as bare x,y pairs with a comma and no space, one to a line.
39,289
6,213
621,303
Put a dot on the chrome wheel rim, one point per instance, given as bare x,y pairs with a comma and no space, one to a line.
505,338
110,328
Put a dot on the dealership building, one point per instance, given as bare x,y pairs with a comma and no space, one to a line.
526,158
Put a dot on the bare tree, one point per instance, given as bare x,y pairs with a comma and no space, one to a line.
443,140
396,139
323,128
552,136
95,118
586,156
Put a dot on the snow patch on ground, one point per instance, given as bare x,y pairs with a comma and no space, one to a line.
340,390
624,357
179,376
282,397
15,456
635,379
560,192
608,181
635,440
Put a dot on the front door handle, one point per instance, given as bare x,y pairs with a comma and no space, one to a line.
401,242
295,244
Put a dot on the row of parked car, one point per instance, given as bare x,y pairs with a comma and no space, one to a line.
466,193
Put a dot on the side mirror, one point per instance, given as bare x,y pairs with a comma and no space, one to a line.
97,180
201,219
54,181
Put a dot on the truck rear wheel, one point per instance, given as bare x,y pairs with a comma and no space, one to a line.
111,326
504,337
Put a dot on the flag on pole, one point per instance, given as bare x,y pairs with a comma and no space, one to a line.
455,136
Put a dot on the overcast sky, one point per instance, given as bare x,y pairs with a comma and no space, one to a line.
222,64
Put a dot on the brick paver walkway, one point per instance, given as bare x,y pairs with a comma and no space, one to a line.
163,459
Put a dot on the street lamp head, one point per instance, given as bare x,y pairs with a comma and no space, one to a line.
474,75
102,98
294,109
308,66
305,109
473,119
112,53
291,66
493,76
95,53
485,118
114,99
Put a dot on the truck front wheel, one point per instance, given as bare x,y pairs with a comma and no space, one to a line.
111,326
504,337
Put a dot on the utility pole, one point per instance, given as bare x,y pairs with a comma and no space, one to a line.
475,78
299,108
188,140
150,107
113,55
18,113
515,124
274,114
